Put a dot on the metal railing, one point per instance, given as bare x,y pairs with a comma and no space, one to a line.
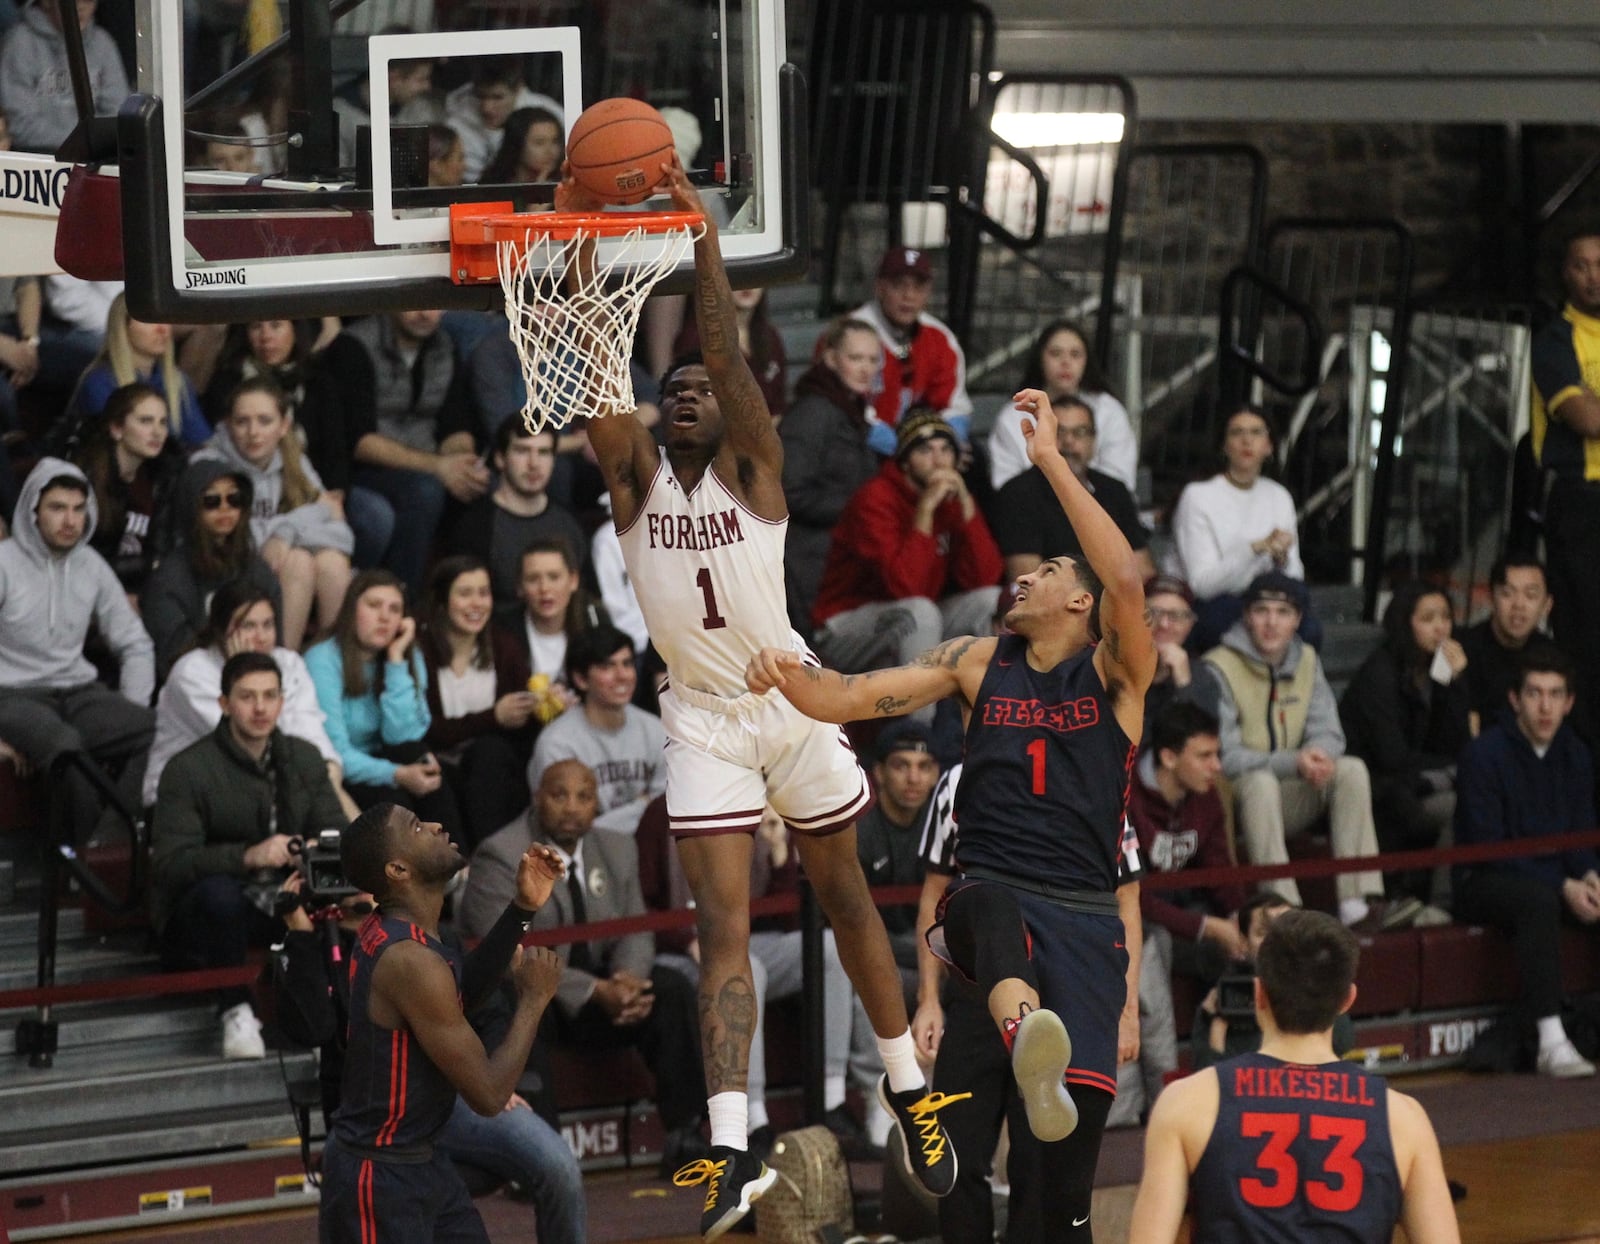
37,1036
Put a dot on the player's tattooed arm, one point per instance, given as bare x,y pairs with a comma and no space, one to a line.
827,695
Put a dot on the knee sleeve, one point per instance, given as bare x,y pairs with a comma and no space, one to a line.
987,938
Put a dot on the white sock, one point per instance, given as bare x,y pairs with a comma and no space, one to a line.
1551,1033
832,1092
900,1061
730,1119
878,1122
756,1116
1352,911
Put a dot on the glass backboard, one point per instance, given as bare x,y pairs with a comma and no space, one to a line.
316,176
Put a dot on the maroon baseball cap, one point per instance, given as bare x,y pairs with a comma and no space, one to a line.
901,261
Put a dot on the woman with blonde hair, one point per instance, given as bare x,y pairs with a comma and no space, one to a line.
137,351
299,527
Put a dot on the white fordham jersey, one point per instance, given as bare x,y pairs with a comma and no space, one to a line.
708,575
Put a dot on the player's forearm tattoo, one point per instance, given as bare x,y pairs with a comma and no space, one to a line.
947,655
888,706
727,1023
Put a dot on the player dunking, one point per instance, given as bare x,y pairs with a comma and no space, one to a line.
702,527
1054,721
410,1049
1293,1142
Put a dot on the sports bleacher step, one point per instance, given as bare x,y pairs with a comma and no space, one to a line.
122,955
103,1087
85,1024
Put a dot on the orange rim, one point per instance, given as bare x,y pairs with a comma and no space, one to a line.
499,225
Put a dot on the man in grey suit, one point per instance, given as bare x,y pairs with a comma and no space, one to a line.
612,992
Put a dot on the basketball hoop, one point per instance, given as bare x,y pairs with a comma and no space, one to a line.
573,325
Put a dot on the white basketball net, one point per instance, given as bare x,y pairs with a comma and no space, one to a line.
576,343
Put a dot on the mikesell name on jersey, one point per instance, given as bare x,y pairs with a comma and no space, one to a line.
708,531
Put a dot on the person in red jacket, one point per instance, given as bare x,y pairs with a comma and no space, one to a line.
912,562
923,362
1174,808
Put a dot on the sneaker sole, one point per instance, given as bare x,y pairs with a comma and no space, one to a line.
748,1196
905,1145
1040,1055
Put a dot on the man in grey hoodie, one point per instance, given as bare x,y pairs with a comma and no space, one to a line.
1283,750
35,84
51,585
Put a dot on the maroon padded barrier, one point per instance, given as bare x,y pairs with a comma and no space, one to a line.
1389,978
1463,965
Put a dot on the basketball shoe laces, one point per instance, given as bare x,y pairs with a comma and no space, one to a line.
698,1172
1009,1026
925,1114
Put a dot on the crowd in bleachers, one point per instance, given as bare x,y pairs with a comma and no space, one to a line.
441,598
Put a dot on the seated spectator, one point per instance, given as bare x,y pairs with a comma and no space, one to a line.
1170,605
1174,807
373,686
478,110
1029,524
447,158
482,713
21,306
72,328
411,100
613,994
1405,716
887,834
36,87
133,466
500,391
826,458
52,586
1519,604
912,561
284,353
620,744
299,529
532,147
229,150
240,619
419,448
518,1145
1525,776
555,611
611,575
775,965
1225,1022
227,809
759,342
498,526
136,351
1062,364
211,546
1234,526
1283,750
923,363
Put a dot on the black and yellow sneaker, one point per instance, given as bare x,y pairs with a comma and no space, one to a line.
736,1181
929,1158
1041,1051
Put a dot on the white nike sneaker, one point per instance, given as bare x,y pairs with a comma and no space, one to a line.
1563,1062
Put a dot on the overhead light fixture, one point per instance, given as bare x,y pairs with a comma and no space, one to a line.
1058,129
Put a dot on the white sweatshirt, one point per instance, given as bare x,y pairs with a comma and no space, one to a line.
1214,525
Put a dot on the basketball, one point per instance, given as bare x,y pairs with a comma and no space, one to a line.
616,149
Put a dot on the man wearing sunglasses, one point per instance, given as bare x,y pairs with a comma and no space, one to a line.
51,585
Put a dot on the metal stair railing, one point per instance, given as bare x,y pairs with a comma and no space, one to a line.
37,1037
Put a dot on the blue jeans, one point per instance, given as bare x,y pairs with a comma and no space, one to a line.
414,503
518,1144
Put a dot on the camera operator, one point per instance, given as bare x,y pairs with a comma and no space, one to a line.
227,810
517,1145
1225,1022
